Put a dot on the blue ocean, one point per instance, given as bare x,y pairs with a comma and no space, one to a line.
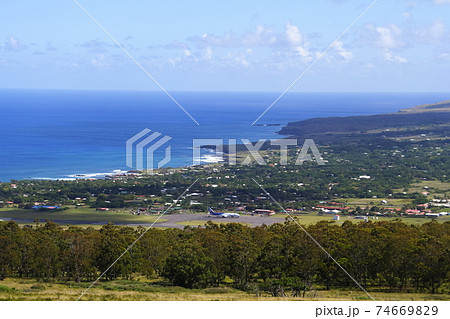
46,134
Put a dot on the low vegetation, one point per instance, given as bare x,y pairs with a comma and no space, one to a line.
147,290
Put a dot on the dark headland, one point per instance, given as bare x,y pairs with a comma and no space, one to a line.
430,119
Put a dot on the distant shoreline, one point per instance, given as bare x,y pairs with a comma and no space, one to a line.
21,158
325,129
313,128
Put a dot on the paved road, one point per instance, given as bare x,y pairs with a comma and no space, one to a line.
172,220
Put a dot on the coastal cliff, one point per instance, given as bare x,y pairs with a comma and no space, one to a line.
423,120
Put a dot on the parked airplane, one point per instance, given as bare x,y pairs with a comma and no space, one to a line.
223,215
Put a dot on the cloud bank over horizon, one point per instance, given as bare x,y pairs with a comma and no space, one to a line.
395,47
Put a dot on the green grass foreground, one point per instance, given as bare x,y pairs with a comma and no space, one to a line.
141,289
313,218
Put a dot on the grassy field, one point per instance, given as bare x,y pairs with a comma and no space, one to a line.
83,215
142,289
313,218
353,202
417,220
433,187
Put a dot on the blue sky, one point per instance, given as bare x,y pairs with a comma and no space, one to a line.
401,45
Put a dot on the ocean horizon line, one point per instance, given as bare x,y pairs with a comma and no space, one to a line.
220,91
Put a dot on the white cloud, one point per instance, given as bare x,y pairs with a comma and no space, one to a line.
303,52
208,53
290,41
261,36
431,34
294,39
174,61
13,44
293,35
342,52
236,60
390,57
389,37
288,49
445,56
242,61
99,61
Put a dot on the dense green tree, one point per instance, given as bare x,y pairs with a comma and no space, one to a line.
80,253
188,266
114,240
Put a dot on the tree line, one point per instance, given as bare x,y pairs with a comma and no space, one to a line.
278,259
